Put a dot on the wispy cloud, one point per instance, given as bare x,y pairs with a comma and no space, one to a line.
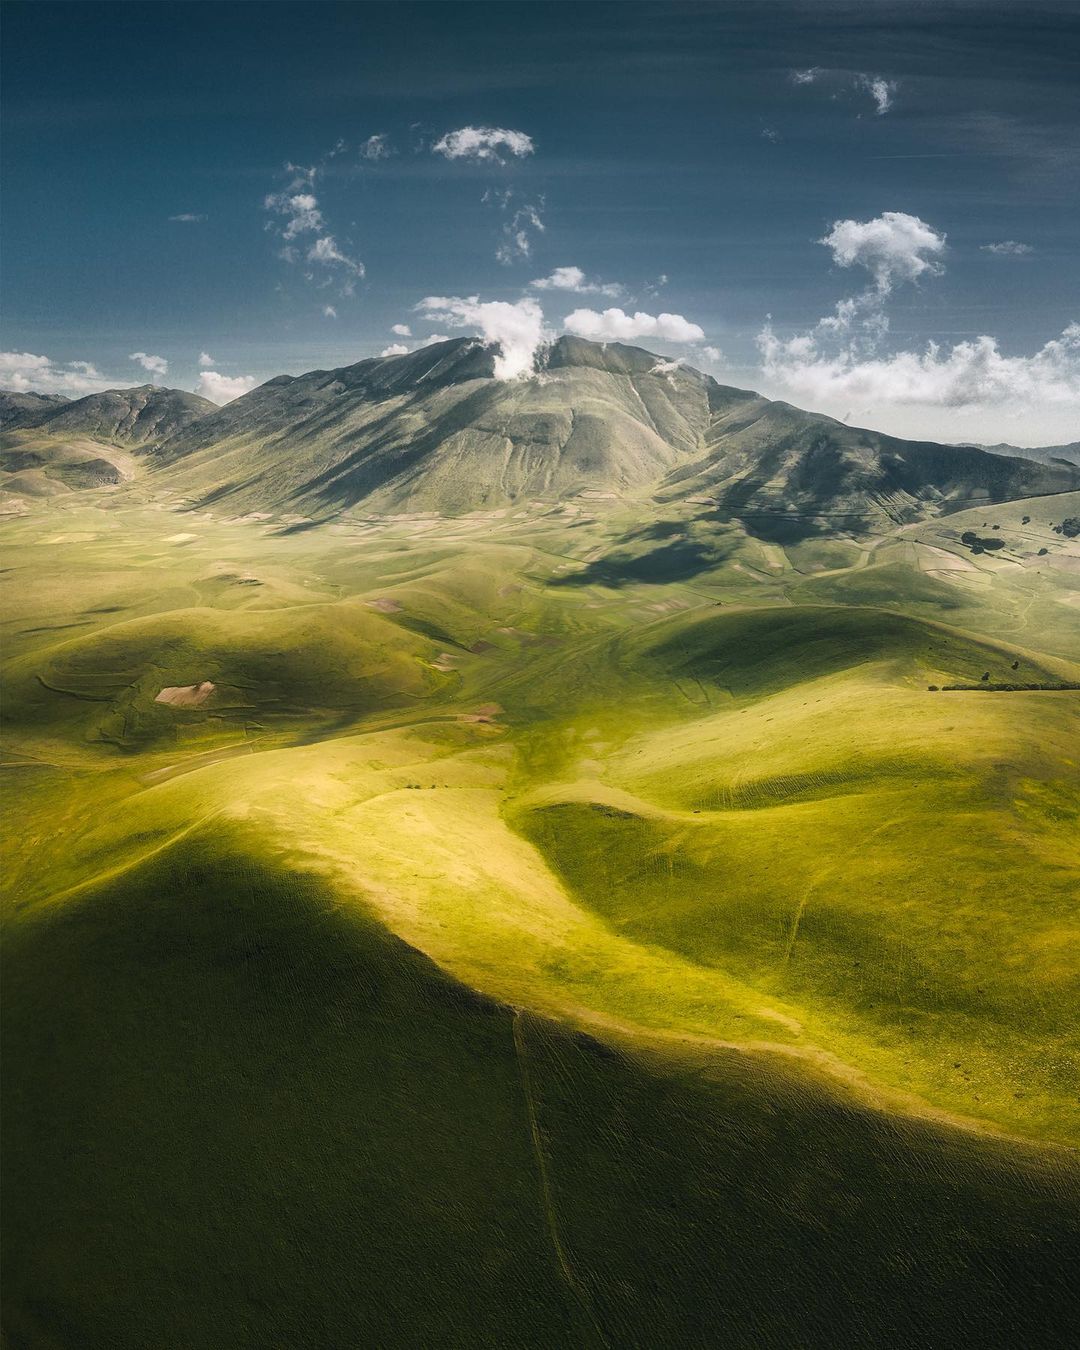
300,214
1008,248
189,218
881,90
573,279
484,143
156,366
376,148
516,241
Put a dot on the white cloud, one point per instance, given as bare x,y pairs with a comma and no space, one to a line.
325,250
483,143
401,348
516,237
880,90
518,329
24,372
615,326
205,359
574,279
401,330
224,388
1008,248
769,134
155,365
713,354
300,209
188,218
892,247
376,148
973,378
329,312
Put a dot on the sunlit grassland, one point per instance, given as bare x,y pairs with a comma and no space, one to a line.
589,926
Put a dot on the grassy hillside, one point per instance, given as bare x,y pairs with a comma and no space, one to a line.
592,911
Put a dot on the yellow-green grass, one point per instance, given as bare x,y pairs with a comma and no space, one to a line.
790,939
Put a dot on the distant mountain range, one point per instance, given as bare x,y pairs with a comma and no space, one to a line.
435,431
1045,454
51,444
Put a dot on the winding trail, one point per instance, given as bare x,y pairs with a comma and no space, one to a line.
580,1293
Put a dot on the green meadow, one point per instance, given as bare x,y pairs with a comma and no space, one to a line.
587,924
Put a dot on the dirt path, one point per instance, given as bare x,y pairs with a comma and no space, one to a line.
580,1293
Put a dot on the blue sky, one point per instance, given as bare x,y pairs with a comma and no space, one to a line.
745,169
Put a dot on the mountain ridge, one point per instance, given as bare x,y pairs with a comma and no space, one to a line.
434,430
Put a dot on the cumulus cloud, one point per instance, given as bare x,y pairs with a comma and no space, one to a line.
892,247
574,279
155,365
224,388
376,148
1008,248
188,218
615,326
25,372
395,349
484,143
970,375
401,330
329,312
713,354
517,329
205,359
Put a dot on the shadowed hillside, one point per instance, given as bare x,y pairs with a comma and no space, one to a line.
435,431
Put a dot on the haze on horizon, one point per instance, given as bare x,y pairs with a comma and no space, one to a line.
866,211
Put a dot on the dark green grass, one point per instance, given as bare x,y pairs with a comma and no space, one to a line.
237,1116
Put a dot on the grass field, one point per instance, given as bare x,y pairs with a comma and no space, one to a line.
566,926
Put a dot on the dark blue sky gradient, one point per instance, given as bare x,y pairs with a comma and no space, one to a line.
648,121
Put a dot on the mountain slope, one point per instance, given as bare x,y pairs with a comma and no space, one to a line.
435,431
27,409
122,416
51,444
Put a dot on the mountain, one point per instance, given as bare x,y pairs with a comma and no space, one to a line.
121,416
51,444
435,431
26,408
1045,454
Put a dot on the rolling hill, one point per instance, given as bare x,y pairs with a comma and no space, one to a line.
605,845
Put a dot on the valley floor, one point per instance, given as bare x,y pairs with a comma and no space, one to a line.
576,925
